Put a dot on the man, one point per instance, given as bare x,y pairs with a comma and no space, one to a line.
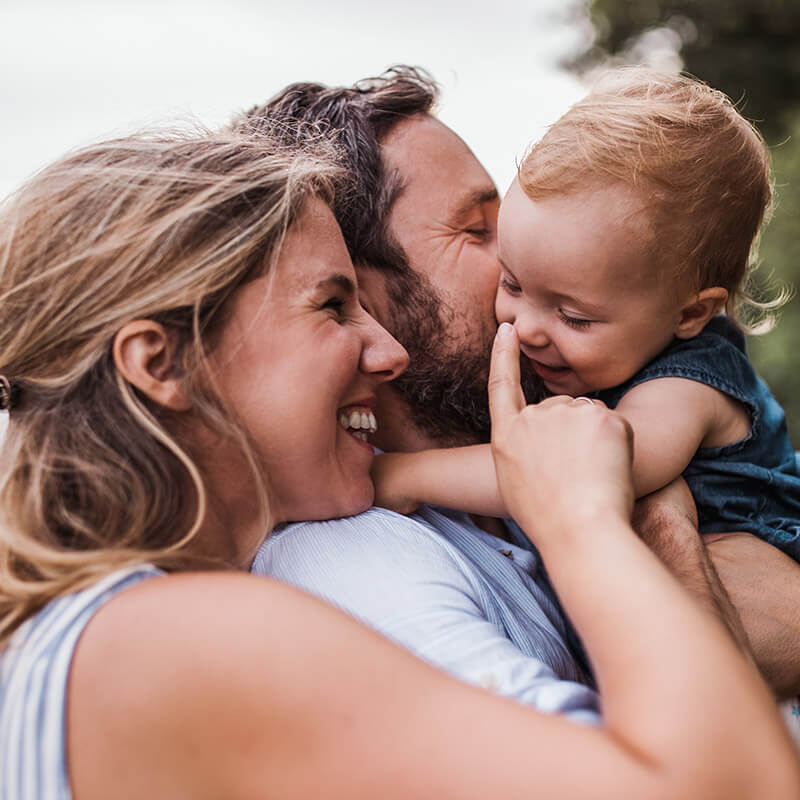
420,224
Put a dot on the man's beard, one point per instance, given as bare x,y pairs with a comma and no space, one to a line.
445,385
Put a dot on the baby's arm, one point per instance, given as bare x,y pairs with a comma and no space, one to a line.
671,419
458,477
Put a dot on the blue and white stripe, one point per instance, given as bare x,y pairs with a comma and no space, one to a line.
34,670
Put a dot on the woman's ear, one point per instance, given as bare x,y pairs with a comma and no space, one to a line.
699,310
144,353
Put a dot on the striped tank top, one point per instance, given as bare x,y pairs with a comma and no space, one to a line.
34,670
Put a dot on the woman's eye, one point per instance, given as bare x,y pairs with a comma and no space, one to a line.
480,233
574,322
508,285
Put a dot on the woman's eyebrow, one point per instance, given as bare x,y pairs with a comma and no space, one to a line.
339,281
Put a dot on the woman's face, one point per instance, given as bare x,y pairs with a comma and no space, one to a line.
299,361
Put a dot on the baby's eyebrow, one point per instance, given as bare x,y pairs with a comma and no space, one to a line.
504,265
505,268
583,305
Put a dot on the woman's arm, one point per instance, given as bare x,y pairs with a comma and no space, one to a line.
208,686
233,686
563,467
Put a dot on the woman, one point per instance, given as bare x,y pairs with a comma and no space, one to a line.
183,349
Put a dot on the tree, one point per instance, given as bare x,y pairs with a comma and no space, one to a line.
750,49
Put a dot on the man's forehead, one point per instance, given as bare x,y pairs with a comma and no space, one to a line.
429,158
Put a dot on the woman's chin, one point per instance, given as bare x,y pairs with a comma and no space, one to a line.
354,501
361,501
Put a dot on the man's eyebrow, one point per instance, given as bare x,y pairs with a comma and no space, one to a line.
487,194
340,281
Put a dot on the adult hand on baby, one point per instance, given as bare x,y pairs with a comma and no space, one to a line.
561,465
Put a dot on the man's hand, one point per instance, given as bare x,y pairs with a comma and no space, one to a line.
750,584
667,522
764,585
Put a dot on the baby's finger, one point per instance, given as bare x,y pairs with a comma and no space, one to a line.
505,393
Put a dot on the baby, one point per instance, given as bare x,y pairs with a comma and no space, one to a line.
624,243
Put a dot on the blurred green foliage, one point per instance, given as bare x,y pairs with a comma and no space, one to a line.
750,49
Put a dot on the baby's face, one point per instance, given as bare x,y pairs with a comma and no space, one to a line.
579,284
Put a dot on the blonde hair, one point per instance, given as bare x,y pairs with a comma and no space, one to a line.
162,226
701,169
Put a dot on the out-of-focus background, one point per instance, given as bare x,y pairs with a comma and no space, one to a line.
73,72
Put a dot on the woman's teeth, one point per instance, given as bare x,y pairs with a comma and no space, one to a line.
358,422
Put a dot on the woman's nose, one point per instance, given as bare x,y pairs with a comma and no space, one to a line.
382,354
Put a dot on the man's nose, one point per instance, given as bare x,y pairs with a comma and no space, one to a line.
382,354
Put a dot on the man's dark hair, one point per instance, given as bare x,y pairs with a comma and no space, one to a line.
356,118
445,384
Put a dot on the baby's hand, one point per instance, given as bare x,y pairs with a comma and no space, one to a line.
388,473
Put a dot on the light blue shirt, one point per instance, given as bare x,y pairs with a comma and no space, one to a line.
461,599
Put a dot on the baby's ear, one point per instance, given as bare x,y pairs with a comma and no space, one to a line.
698,311
145,353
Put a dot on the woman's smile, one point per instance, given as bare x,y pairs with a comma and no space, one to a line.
359,421
301,361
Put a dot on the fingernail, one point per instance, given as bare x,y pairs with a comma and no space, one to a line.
504,331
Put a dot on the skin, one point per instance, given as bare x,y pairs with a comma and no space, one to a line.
446,221
300,337
746,565
591,308
251,717
766,620
578,284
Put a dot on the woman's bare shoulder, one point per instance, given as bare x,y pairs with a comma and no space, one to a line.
238,686
180,668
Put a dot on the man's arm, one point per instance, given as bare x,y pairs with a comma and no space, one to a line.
764,585
667,522
749,584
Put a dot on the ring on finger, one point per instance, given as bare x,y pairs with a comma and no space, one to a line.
584,399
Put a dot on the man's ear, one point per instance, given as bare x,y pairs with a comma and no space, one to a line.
699,310
144,353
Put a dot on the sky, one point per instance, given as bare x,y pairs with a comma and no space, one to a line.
75,71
